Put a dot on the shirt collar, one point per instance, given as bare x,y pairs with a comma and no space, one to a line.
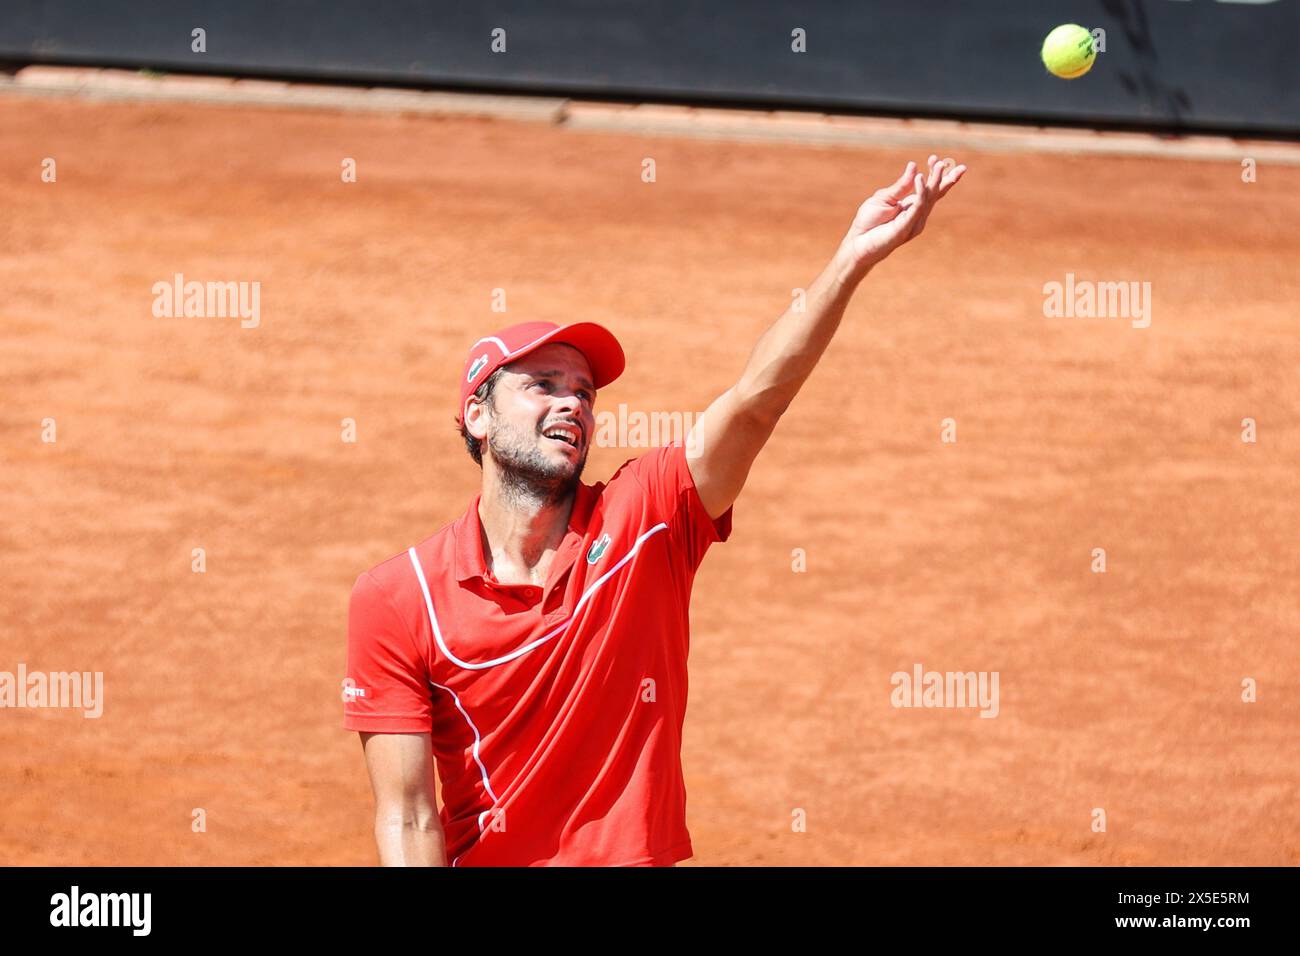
468,531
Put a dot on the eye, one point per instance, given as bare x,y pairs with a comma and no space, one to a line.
544,383
587,396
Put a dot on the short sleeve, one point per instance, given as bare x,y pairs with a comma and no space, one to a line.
666,477
387,686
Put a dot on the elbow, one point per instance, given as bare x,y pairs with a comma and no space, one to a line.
415,813
409,836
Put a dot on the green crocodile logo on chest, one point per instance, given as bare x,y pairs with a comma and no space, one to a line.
597,550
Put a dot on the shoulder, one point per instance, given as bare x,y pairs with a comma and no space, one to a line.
663,480
395,579
653,467
661,473
660,481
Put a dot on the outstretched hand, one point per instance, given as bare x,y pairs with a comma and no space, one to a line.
897,213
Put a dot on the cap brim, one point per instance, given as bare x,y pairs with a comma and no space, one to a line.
597,343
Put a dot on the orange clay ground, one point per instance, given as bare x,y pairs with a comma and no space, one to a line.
1119,691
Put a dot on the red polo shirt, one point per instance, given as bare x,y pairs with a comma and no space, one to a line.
555,712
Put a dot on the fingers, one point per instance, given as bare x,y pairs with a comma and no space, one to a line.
948,172
927,194
900,210
943,175
952,173
938,178
898,189
936,170
915,196
951,178
926,191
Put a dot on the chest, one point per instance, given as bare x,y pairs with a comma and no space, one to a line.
608,590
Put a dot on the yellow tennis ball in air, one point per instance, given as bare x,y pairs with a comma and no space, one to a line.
1068,51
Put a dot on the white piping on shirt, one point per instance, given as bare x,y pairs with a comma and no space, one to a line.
487,785
586,595
478,738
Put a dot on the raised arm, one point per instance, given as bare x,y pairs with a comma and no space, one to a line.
408,830
735,427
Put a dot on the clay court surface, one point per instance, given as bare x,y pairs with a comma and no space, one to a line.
1119,691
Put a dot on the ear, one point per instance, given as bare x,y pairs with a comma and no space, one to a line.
476,418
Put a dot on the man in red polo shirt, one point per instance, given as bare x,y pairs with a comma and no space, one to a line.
535,648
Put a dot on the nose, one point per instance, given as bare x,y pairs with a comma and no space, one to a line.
569,408
569,405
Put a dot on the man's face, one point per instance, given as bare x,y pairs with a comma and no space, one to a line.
540,425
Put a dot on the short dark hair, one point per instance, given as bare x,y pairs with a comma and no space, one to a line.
484,394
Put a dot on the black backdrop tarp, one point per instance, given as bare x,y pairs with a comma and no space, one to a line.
1184,64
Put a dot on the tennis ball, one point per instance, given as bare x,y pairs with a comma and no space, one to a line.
1068,51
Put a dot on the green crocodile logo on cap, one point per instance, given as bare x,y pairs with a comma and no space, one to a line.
476,367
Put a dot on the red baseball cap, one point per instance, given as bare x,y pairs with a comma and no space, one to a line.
595,342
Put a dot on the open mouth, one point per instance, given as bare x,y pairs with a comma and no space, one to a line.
569,435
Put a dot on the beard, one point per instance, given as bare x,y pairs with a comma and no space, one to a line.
527,473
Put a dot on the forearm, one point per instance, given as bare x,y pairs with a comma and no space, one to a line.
790,349
410,839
